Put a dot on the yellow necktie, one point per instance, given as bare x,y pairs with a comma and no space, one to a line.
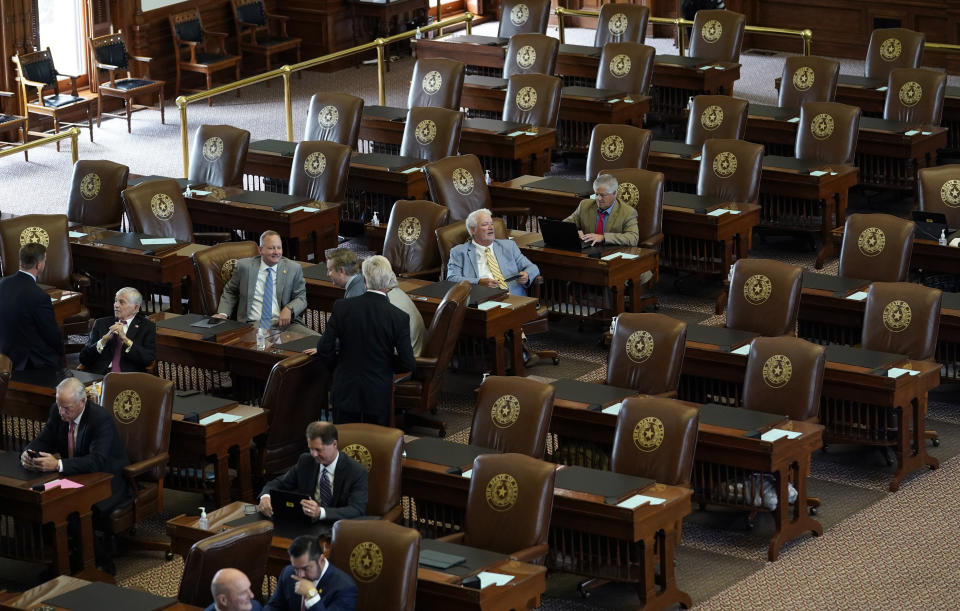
494,268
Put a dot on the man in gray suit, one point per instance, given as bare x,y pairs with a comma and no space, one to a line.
270,278
343,267
488,261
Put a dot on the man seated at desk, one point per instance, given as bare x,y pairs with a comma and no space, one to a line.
270,279
231,592
343,267
604,221
311,582
29,334
490,262
126,341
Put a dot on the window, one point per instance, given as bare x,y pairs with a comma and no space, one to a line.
61,29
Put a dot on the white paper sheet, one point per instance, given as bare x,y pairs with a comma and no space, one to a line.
640,499
775,434
613,409
151,241
858,296
75,234
493,579
220,416
745,350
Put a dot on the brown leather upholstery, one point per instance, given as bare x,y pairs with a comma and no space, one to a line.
380,450
643,191
613,147
436,82
532,99
717,35
218,155
808,78
523,16
334,117
244,548
458,182
156,207
940,191
828,132
631,77
784,376
513,415
915,96
95,193
716,116
902,318
410,244
620,22
431,133
764,297
646,353
456,233
213,268
531,53
320,170
656,438
892,48
393,580
730,170
876,247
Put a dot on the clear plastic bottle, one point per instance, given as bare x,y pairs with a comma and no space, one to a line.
202,523
486,177
943,237
375,221
261,338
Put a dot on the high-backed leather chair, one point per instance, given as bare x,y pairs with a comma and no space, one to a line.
531,53
393,576
876,247
36,73
915,96
380,450
111,55
156,207
197,49
410,244
828,132
902,318
436,82
784,376
764,297
456,233
95,193
532,99
730,170
716,116
626,67
263,33
509,506
643,191
808,78
245,548
646,353
892,48
940,191
613,147
655,438
458,182
717,35
214,267
523,16
334,117
431,133
513,415
621,23
218,155
320,170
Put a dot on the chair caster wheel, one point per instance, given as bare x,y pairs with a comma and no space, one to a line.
168,556
936,442
813,511
556,361
583,592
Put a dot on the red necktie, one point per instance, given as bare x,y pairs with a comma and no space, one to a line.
600,215
70,430
117,351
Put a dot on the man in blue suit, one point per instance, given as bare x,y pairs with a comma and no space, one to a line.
29,334
490,262
311,582
231,592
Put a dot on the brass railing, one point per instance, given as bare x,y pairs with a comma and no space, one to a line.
285,72
941,46
71,133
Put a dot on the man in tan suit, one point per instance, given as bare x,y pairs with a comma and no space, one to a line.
604,221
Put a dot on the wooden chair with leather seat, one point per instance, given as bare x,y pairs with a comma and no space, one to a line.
218,155
939,189
614,147
263,33
828,132
646,353
156,207
199,50
213,268
807,78
457,182
394,578
619,22
892,48
531,53
334,117
876,247
245,548
626,67
436,82
523,17
532,99
10,123
764,297
431,133
95,189
410,243
717,35
716,116
915,96
36,70
110,53
320,170
380,450
513,415
730,170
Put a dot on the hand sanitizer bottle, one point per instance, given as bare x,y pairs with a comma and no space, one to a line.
419,34
943,237
486,177
202,523
375,221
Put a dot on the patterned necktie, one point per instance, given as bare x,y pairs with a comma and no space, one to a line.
117,351
70,430
601,221
324,494
266,306
494,268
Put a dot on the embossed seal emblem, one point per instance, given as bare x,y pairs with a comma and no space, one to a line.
463,181
890,49
620,65
711,118
526,56
871,241
505,411
777,370
648,434
34,235
431,83
502,492
910,93
409,230
366,561
757,289
227,269
725,164
950,193
803,78
359,453
712,31
126,406
162,206
897,315
90,186
315,164
526,98
519,14
328,116
821,127
618,24
213,148
629,194
426,131
639,346
611,148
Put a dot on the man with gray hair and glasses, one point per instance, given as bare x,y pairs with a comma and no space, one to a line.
126,341
604,220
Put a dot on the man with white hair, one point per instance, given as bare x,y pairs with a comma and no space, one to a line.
126,341
231,592
401,300
488,261
603,220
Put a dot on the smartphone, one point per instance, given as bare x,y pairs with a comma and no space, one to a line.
214,320
33,454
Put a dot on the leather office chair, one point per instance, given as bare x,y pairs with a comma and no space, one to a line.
915,96
656,438
513,415
784,375
110,54
262,33
214,267
95,193
626,67
642,190
156,207
380,450
646,353
36,71
410,244
218,155
523,17
808,78
320,171
892,48
828,132
458,183
334,117
730,170
245,548
940,191
717,35
509,506
876,247
716,116
436,82
431,133
532,53
10,123
614,147
199,50
621,23
391,575
532,99
764,297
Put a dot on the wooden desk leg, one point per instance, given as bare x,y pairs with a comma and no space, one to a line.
61,548
669,595
176,297
636,294
620,305
826,243
245,471
792,521
912,423
499,363
222,473
518,352
86,541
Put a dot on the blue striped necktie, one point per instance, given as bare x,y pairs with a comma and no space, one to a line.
266,306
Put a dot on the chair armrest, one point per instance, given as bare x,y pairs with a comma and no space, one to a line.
454,538
670,394
425,367
423,273
6,94
277,17
394,514
652,242
531,554
141,58
80,280
110,67
131,472
215,34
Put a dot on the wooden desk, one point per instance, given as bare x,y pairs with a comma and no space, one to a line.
33,599
65,303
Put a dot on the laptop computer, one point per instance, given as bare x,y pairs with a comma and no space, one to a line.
930,224
565,236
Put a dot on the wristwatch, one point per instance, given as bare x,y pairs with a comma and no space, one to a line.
313,592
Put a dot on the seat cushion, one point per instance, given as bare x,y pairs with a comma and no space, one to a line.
7,118
212,58
411,389
60,100
128,83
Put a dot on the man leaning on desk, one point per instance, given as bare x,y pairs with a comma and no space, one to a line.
29,334
490,262
126,341
603,220
311,582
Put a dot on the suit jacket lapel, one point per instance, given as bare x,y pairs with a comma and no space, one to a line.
133,327
472,259
281,282
254,271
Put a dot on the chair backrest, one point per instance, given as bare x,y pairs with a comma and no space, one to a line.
142,407
532,99
716,116
892,48
186,25
615,147
380,450
458,182
523,16
95,193
513,415
620,22
410,244
244,548
531,53
784,376
902,318
111,50
334,117
646,353
940,191
445,327
249,11
876,247
915,96
382,558
642,190
320,170
36,66
218,155
213,268
438,82
47,229
656,438
431,133
717,35
626,67
156,207
730,170
828,132
808,78
764,297
456,233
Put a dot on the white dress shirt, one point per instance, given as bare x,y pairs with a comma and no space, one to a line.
483,270
255,305
126,325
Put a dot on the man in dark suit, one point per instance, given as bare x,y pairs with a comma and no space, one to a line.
231,592
126,341
342,266
29,334
311,582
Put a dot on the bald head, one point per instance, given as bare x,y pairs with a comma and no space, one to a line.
231,590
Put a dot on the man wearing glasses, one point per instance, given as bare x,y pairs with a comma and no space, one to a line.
604,221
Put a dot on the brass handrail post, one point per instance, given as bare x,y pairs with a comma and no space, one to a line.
807,41
681,37
288,102
381,76
74,135
560,13
182,104
469,17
